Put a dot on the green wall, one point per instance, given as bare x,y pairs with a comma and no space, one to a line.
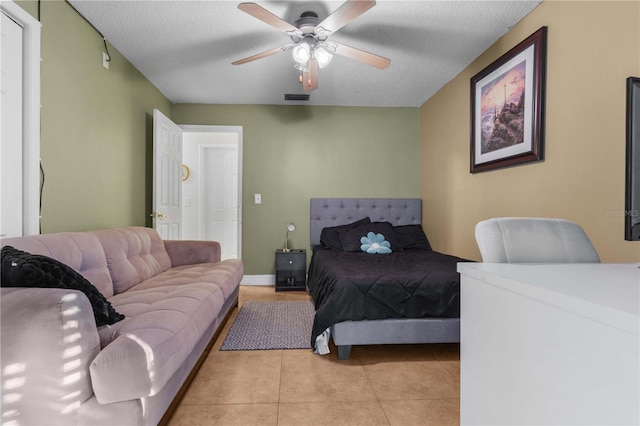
95,138
96,145
294,153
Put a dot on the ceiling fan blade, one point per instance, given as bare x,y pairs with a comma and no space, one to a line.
267,17
263,54
310,78
346,13
359,55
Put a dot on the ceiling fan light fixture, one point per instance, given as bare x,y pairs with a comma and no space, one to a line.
302,52
310,48
323,56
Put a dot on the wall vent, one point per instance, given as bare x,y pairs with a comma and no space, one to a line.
296,97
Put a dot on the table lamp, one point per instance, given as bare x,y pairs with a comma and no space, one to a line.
290,228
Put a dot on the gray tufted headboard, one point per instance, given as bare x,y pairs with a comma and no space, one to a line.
340,211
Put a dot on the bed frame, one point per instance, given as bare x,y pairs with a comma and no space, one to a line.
327,212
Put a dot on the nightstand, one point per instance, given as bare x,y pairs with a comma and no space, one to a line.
291,270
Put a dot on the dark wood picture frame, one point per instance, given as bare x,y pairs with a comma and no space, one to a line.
632,180
508,107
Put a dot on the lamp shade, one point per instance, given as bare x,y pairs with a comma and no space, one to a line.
323,56
302,52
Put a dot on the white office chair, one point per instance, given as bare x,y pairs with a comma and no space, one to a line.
533,240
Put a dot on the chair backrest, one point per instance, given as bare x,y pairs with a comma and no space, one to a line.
534,240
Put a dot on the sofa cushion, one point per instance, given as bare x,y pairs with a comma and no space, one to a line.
133,255
190,252
22,269
225,274
162,327
79,250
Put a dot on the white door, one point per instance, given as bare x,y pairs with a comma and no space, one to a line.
20,122
11,157
219,197
212,196
167,177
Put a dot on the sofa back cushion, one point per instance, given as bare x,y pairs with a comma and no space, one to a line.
81,251
133,255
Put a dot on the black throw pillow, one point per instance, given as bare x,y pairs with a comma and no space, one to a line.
330,236
412,237
22,269
350,239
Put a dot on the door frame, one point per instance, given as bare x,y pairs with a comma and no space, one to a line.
197,128
30,114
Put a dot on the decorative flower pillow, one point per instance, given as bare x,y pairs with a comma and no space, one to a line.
375,244
351,240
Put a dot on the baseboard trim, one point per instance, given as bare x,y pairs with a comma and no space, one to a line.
258,280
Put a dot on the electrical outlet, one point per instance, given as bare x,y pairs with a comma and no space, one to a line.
257,198
105,60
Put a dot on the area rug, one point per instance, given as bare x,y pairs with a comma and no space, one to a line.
271,325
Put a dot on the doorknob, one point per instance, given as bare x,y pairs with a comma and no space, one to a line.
158,215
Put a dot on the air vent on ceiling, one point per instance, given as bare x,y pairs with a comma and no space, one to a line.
296,97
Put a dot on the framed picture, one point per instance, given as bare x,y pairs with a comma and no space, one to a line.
632,198
507,107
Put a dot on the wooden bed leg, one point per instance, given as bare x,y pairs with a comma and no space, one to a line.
344,352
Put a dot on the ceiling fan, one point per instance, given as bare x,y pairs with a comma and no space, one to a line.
310,47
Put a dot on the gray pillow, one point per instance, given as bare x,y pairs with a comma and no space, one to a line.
411,237
330,236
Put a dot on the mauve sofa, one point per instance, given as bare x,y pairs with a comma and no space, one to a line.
58,367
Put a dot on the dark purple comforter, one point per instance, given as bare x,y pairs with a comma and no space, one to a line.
356,286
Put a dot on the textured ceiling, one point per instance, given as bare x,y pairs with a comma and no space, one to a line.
185,48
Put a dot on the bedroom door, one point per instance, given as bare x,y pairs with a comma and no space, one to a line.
20,118
212,195
11,148
167,177
219,197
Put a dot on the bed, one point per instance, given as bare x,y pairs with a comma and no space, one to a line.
404,297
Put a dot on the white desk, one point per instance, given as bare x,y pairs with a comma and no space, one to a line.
549,344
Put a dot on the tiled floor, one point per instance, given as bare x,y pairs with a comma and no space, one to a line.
397,385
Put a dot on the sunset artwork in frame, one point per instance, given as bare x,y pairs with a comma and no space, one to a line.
507,107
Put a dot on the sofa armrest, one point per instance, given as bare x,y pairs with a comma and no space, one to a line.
49,338
191,252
